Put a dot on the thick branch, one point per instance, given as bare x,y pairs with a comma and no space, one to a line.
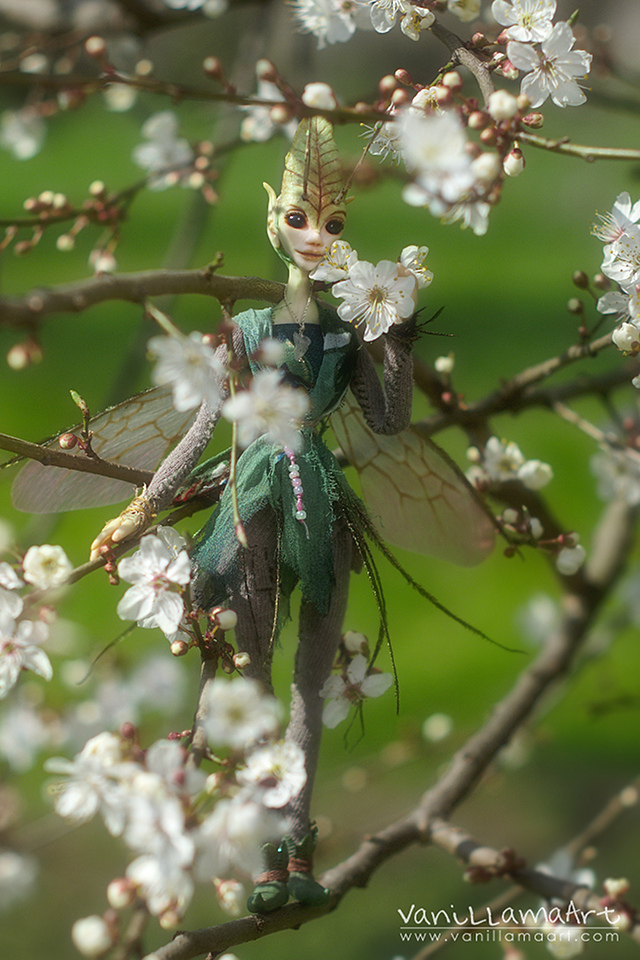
134,287
466,58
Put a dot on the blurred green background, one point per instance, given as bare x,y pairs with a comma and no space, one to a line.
504,297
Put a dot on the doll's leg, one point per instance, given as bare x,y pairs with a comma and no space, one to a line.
254,602
319,639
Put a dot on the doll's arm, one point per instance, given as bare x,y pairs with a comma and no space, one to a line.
387,409
167,479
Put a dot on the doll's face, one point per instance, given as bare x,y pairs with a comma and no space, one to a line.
305,240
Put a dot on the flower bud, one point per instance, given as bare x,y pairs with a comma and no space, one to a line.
22,355
120,893
265,70
444,364
508,71
502,105
534,120
96,47
91,936
514,163
280,114
387,85
65,242
225,619
616,888
580,280
241,660
355,642
212,67
627,338
67,441
486,167
319,96
452,80
477,120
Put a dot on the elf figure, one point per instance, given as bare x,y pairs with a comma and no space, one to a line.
302,521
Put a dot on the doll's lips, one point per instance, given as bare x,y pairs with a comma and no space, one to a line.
312,254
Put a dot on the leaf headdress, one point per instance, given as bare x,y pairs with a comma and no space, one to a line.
313,179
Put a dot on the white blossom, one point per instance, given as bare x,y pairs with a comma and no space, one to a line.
412,259
617,473
384,139
434,150
502,460
275,773
18,874
464,9
258,125
268,407
22,132
341,693
614,223
231,896
563,940
9,579
622,258
162,882
413,19
552,71
20,650
46,566
94,782
331,21
570,559
437,727
230,838
470,213
164,154
191,367
539,618
154,571
91,936
529,21
239,713
376,297
337,263
626,305
23,735
535,474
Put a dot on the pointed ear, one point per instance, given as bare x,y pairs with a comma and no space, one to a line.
272,230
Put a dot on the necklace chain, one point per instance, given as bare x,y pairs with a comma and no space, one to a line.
300,341
299,320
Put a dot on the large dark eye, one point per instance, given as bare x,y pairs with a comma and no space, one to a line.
296,220
335,226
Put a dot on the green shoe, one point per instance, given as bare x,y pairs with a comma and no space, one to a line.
270,892
301,885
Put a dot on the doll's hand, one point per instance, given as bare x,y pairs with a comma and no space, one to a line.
135,519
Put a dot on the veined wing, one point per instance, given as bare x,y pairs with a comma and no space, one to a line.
416,496
136,433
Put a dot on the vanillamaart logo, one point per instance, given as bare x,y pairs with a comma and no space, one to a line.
550,925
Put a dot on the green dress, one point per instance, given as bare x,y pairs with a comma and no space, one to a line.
305,550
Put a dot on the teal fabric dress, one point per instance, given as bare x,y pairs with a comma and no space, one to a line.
305,550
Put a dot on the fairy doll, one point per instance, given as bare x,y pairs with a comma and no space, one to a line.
302,521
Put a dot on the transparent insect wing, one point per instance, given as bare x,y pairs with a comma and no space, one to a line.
136,433
416,496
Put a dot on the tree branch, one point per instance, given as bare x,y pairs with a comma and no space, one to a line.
41,302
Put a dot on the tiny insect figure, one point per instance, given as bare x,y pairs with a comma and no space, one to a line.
303,524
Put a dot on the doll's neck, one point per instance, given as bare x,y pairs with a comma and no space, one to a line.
298,304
